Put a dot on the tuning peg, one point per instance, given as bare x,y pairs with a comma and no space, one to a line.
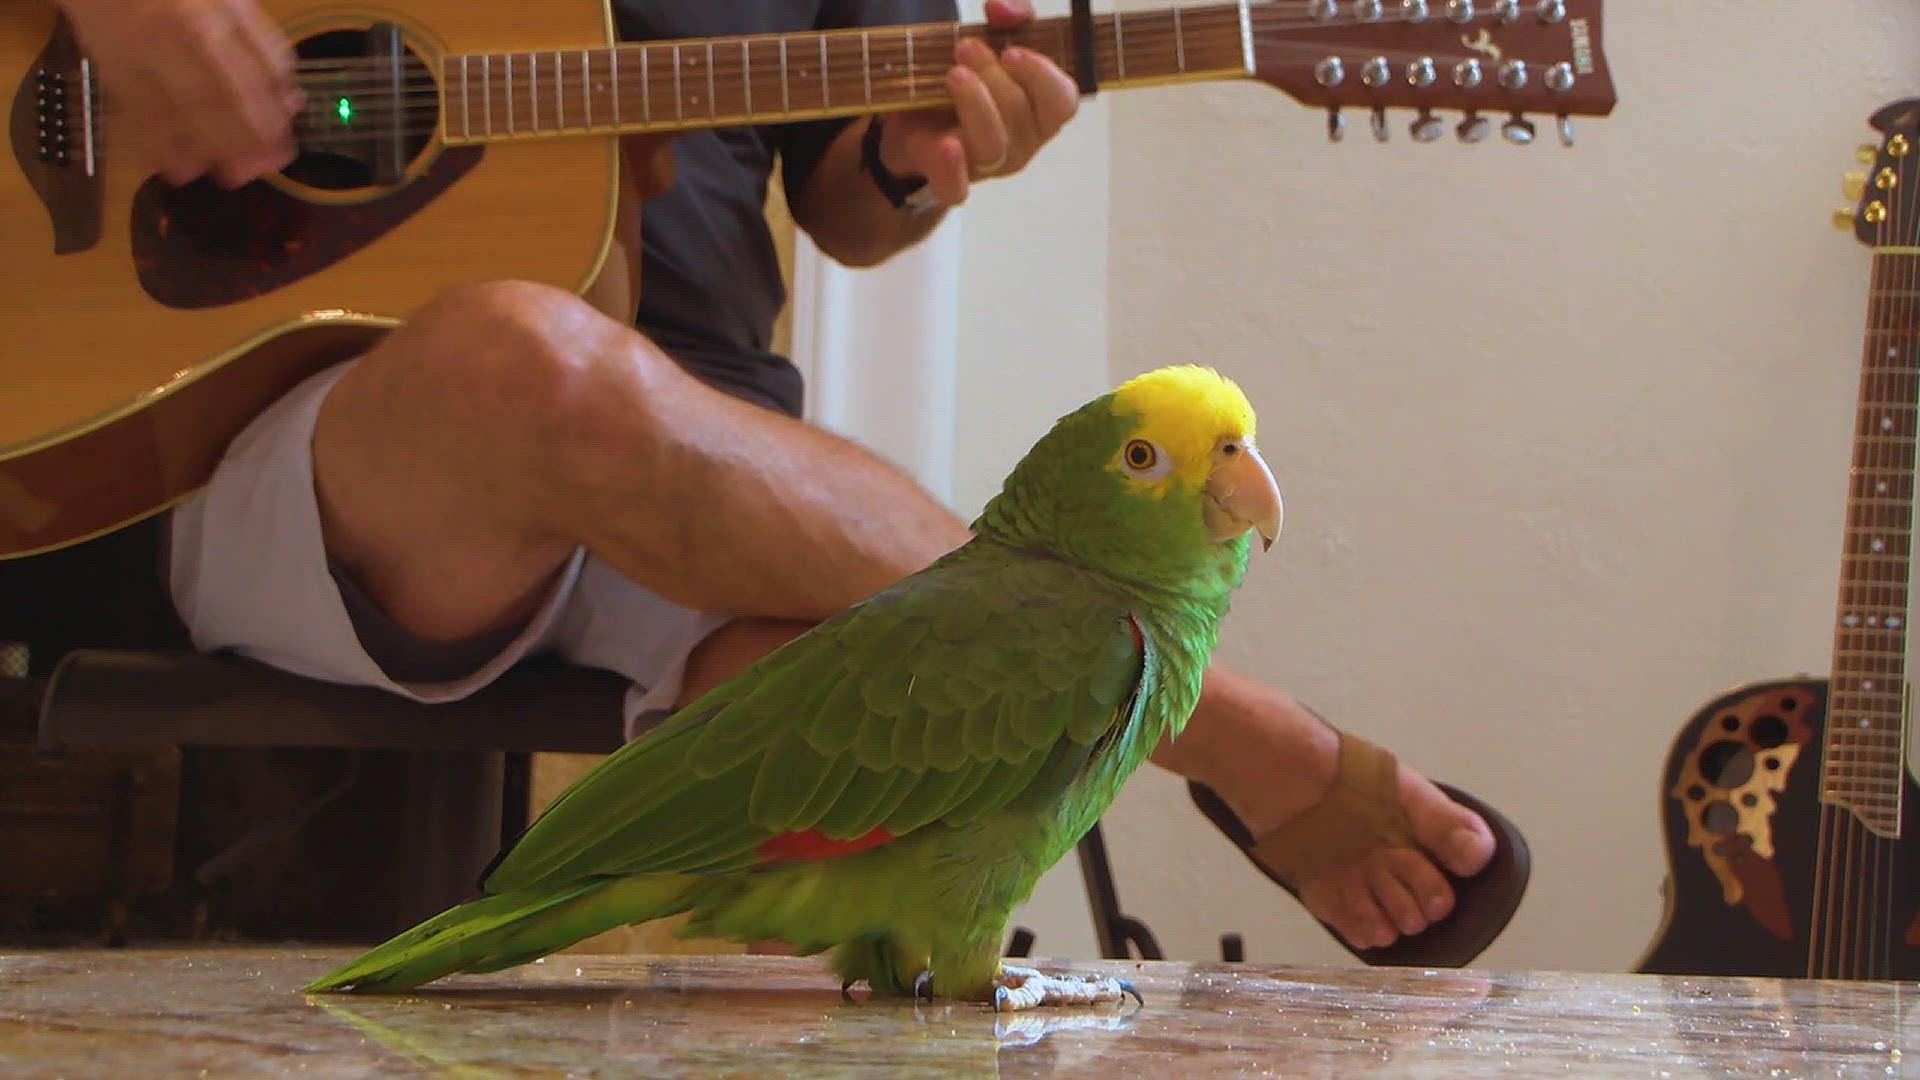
1843,219
1518,131
1866,153
1427,127
1379,124
1853,185
1472,128
1336,125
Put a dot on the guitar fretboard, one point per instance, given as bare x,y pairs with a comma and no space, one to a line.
714,82
1865,757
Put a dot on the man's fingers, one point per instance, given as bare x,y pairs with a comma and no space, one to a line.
1002,14
1014,111
981,126
1051,93
943,161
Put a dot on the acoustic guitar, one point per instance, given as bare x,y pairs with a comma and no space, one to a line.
1788,810
452,142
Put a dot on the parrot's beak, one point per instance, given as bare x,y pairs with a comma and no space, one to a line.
1242,495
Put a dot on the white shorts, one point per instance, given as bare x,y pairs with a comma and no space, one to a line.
249,572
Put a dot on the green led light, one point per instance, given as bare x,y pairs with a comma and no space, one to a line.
344,110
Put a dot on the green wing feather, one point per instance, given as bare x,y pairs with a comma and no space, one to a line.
941,699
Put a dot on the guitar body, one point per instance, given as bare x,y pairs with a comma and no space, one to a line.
145,325
1742,820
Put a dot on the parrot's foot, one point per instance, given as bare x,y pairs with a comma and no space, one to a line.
1019,988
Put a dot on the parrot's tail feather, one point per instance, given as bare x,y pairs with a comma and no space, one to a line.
496,932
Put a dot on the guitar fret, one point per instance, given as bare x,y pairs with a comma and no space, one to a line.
1176,43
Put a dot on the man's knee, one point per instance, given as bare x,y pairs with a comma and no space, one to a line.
524,363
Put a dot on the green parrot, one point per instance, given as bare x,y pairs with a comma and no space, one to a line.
891,784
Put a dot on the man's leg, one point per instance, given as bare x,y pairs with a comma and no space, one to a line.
465,456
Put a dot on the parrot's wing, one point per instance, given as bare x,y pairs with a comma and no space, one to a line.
980,683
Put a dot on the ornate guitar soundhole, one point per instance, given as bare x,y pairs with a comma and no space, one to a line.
197,246
1726,788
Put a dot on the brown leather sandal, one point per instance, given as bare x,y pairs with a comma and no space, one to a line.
1361,809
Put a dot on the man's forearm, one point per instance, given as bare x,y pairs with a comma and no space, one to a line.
844,212
1237,730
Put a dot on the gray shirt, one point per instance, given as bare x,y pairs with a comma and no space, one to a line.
710,285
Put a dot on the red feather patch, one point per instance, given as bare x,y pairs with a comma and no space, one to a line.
1133,624
810,845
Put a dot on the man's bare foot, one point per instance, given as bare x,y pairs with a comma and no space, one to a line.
1390,891
1272,760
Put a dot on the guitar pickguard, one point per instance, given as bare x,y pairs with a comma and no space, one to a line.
1728,777
198,246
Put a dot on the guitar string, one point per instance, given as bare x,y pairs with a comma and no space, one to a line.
1820,958
1868,898
1893,306
573,85
1278,15
1163,54
1866,889
1217,32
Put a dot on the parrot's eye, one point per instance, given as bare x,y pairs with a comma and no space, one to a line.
1145,460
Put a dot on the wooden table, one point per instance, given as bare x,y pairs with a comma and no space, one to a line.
137,1013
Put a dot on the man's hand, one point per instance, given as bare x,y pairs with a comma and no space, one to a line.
1005,108
203,87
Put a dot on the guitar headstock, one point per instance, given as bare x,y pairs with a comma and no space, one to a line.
1493,61
1886,193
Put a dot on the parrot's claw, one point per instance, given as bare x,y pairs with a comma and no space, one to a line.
923,986
846,989
1024,988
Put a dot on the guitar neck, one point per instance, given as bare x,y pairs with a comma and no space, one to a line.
683,84
1865,752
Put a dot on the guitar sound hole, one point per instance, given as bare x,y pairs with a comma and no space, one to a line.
1726,764
359,128
1720,818
1768,731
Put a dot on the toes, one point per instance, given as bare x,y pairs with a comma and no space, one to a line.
1423,882
1390,893
923,986
1127,988
1454,834
1345,902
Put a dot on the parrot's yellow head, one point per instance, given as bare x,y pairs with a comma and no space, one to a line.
1192,429
1158,481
